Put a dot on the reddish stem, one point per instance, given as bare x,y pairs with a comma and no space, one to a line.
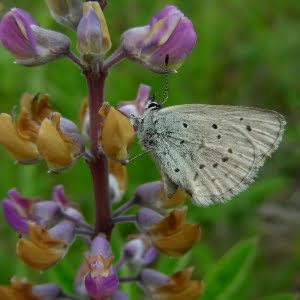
98,166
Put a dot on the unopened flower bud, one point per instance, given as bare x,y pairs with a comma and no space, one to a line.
93,39
119,295
117,133
169,234
168,33
30,44
66,12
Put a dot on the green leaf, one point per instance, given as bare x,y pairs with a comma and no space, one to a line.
228,275
281,297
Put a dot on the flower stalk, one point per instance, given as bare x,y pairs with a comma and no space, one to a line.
99,166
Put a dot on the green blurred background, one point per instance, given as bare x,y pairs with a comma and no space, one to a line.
248,53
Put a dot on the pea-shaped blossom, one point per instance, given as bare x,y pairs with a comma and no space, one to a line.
136,107
175,287
44,248
101,281
138,252
117,133
169,234
24,290
152,195
168,33
58,143
30,44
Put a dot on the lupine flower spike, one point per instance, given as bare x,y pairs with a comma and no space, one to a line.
103,138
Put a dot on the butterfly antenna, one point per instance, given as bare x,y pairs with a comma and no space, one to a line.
166,88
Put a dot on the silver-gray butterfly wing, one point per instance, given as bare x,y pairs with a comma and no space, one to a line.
212,152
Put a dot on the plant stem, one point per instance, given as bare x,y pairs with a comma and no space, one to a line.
84,232
115,58
98,167
77,222
122,209
75,59
130,218
129,279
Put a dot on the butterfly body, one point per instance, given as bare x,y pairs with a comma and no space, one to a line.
212,152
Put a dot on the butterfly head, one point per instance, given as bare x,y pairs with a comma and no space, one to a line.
153,105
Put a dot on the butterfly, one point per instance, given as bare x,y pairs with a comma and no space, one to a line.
212,152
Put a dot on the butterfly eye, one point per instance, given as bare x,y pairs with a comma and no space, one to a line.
154,105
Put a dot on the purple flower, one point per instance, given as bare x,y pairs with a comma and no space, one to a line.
30,44
168,33
137,106
138,252
101,281
19,211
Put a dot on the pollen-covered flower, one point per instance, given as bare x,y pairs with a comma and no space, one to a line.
24,290
137,106
44,248
117,133
169,234
101,281
58,143
93,39
152,195
175,287
66,12
168,33
30,44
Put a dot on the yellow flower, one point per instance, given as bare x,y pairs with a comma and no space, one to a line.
180,286
117,133
58,149
19,289
41,251
120,173
16,138
172,236
19,138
